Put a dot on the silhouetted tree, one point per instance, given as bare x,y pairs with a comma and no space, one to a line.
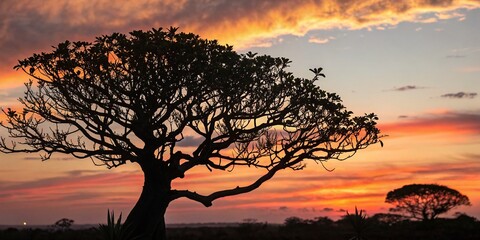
425,201
294,221
142,97
461,216
63,224
388,218
325,221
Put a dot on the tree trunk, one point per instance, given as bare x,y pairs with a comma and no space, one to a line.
146,221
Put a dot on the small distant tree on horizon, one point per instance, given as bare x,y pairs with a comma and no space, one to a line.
388,218
63,224
425,201
143,97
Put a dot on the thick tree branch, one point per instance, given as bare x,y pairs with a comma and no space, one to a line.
207,200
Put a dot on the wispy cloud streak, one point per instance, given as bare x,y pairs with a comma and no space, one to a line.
460,95
406,88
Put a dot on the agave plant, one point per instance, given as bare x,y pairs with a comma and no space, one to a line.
359,223
112,230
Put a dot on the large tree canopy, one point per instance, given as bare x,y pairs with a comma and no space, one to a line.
143,97
425,201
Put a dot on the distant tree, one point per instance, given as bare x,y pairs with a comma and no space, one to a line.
425,201
144,97
463,217
63,224
388,218
250,226
294,221
325,221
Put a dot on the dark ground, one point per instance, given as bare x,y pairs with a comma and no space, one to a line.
463,227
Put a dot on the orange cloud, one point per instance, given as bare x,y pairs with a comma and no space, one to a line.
245,24
32,26
450,123
304,193
10,78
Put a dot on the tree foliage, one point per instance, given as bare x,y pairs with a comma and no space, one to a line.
172,102
63,224
425,201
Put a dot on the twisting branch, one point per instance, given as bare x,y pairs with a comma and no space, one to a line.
173,102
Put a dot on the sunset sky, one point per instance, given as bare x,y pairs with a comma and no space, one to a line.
415,63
